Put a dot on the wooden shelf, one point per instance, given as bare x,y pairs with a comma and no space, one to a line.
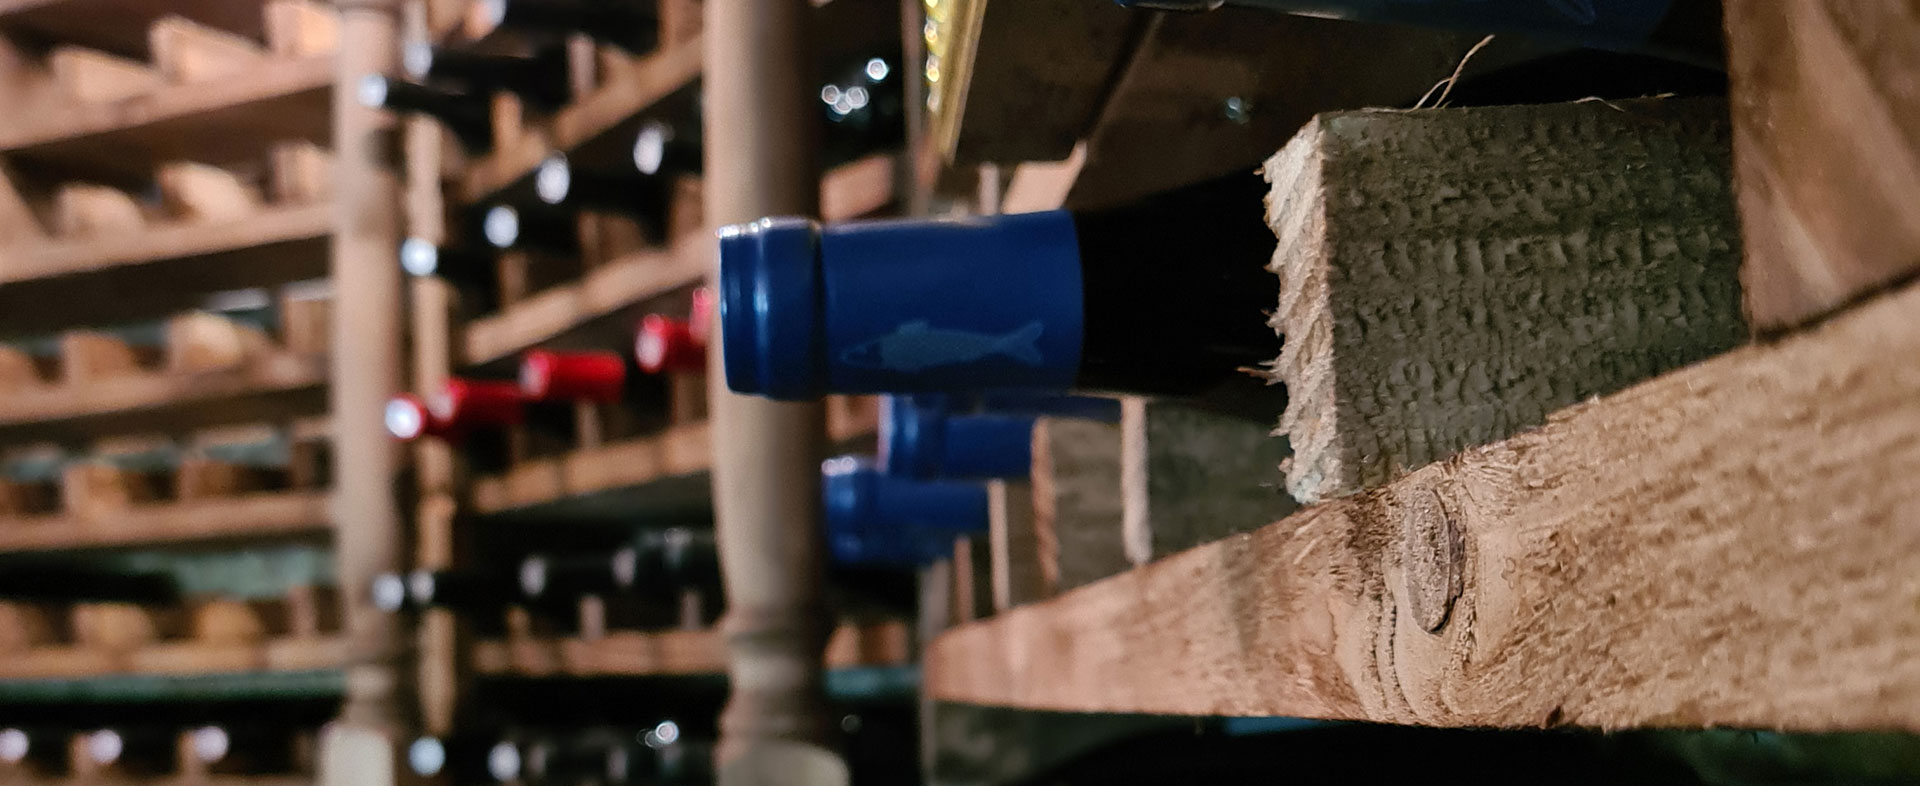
602,309
625,95
245,517
238,121
120,26
212,780
670,653
1733,543
270,388
165,269
205,660
659,474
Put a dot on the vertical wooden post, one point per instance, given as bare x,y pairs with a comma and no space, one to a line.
766,472
438,663
359,748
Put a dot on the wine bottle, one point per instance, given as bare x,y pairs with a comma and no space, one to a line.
561,577
465,758
660,756
540,79
873,518
591,756
627,192
665,345
468,117
676,559
37,750
243,748
632,25
44,581
464,591
545,231
470,272
1684,29
918,443
1166,296
664,148
135,750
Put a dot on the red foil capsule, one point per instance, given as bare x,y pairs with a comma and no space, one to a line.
477,403
407,419
668,345
546,375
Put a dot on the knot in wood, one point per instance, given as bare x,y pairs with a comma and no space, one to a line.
1431,557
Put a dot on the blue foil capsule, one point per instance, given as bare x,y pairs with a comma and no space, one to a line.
901,306
929,443
874,518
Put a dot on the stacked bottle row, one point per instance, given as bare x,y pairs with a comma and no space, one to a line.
661,578
658,755
276,738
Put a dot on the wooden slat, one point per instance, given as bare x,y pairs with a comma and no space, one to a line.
300,28
235,120
670,653
1734,543
197,192
1826,128
1448,277
1078,504
18,224
165,242
97,77
120,26
302,172
254,516
1167,120
174,658
268,388
1190,477
203,341
1022,80
620,98
187,52
88,210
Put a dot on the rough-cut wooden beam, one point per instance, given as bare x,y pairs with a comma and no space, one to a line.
186,51
198,192
1733,543
1190,477
1017,574
1826,146
1077,501
88,210
97,77
1448,277
299,28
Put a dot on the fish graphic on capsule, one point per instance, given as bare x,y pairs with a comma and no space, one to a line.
917,346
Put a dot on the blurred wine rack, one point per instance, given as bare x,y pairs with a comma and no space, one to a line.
600,471
164,448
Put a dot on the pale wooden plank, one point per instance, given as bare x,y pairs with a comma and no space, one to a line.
300,28
1733,543
84,210
268,387
254,516
1826,142
1448,277
1078,504
167,242
1190,477
203,341
302,172
97,77
187,52
198,192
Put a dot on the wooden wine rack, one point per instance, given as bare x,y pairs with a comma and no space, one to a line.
155,155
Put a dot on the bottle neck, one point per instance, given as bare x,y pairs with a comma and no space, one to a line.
468,117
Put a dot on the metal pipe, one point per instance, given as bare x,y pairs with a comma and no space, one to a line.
766,474
366,363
